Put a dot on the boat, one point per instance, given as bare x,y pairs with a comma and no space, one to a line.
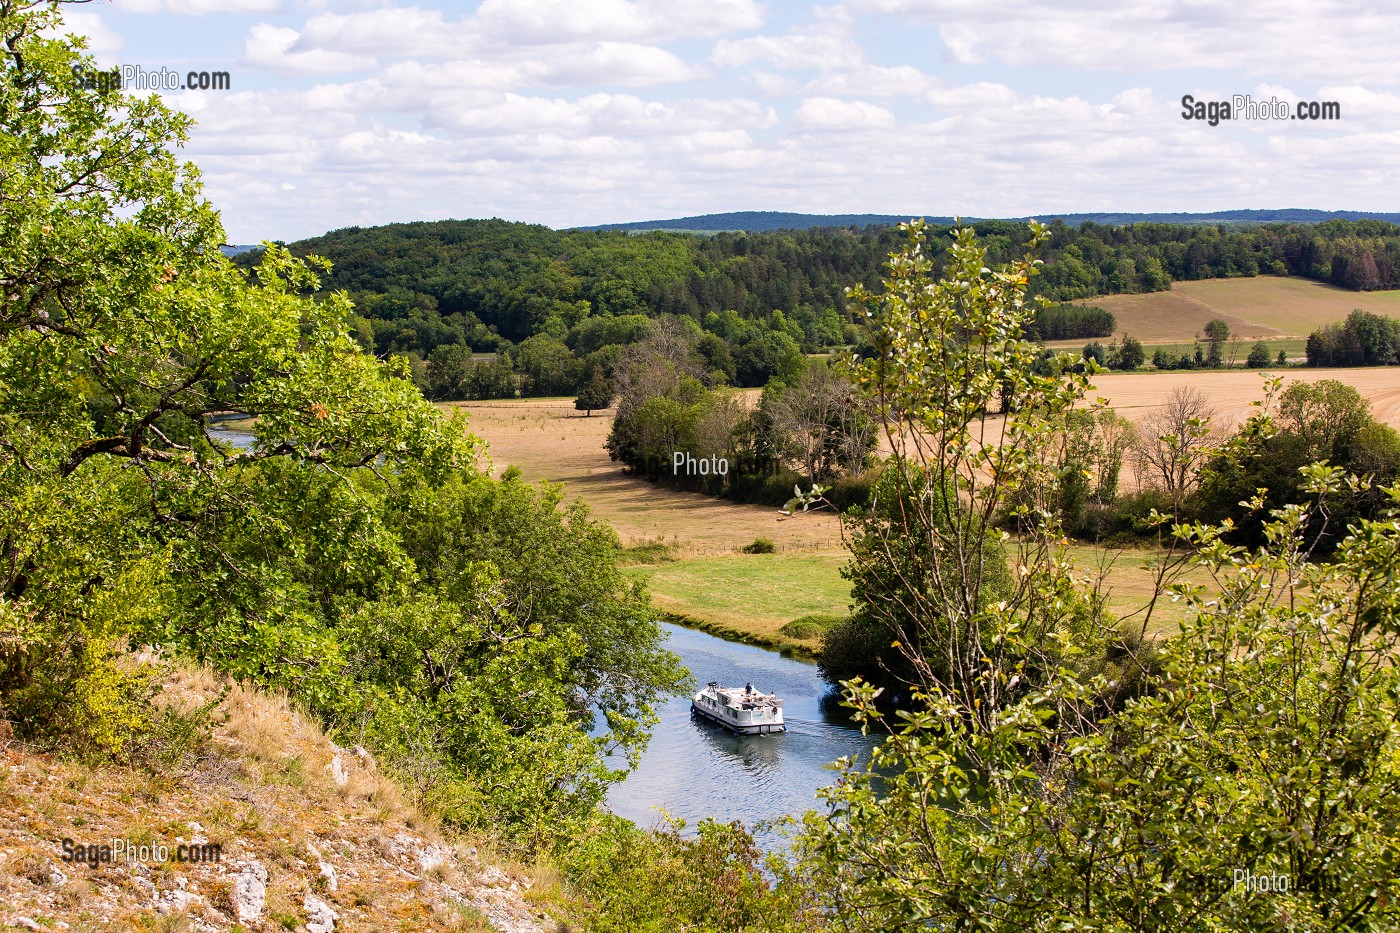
742,710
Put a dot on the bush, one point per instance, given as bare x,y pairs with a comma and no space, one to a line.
760,546
811,626
653,552
621,879
853,490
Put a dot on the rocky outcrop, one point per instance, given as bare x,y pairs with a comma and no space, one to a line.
296,840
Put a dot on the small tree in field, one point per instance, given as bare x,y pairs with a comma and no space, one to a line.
1217,333
1258,356
597,393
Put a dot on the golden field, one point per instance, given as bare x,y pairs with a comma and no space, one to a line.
1264,307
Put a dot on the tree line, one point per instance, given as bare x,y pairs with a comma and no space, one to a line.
488,287
1363,339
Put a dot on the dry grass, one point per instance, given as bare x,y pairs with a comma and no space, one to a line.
752,598
1260,307
263,788
1134,395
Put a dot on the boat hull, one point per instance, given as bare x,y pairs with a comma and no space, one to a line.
738,728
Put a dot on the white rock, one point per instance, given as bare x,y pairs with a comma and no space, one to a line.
24,923
365,758
338,772
56,876
181,900
320,918
431,857
250,892
328,872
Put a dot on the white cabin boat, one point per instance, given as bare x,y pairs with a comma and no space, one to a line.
742,710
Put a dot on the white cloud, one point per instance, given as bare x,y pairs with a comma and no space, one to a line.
102,42
197,7
388,31
829,113
619,63
275,48
594,110
553,21
792,52
1321,40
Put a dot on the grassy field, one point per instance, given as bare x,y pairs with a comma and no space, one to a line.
1134,395
752,596
1260,307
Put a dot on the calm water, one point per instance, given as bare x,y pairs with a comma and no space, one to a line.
242,440
694,769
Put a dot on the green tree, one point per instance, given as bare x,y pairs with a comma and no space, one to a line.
1258,356
1128,355
123,331
1217,332
597,393
1052,787
943,351
548,366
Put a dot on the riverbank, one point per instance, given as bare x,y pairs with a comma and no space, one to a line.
752,597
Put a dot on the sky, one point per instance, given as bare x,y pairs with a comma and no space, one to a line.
577,112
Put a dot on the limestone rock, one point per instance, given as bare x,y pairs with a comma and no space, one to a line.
250,892
320,918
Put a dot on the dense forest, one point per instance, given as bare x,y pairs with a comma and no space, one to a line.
547,301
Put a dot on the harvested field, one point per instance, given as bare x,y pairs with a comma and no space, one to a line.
549,440
1261,307
1133,395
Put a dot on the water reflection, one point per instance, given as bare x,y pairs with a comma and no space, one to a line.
694,769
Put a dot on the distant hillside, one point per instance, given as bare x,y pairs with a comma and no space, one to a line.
763,221
490,285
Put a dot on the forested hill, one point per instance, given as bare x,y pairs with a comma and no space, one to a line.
490,284
764,221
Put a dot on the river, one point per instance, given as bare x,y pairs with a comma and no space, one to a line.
694,769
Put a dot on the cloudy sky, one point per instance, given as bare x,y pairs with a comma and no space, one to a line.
572,112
